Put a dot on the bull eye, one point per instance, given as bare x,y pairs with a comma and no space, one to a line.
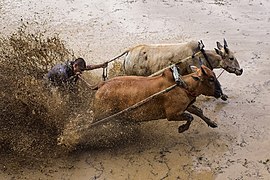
231,58
211,79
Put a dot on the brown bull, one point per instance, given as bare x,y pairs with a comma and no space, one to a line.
120,93
144,60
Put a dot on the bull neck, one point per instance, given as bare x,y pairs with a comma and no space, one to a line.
213,59
191,90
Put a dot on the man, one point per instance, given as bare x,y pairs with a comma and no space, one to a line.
67,74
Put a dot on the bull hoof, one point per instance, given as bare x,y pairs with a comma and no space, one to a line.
182,128
224,97
212,124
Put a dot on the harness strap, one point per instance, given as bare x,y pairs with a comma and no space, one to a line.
206,58
105,73
177,76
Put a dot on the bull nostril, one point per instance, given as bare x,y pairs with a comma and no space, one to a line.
240,72
224,97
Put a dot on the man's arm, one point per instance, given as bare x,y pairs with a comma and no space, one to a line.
96,66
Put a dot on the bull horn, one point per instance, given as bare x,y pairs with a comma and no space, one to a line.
218,52
200,45
203,71
219,46
226,49
225,43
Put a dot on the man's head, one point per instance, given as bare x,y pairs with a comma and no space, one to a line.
79,65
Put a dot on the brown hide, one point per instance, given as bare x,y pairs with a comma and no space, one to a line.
122,92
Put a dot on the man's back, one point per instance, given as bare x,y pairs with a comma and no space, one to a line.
61,74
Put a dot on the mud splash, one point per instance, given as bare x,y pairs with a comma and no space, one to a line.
39,122
32,114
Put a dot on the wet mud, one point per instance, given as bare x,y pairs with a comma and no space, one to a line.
46,134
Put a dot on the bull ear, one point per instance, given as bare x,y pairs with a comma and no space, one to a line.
225,43
193,68
218,52
219,46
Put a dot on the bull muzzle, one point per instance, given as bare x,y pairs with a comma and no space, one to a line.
236,71
218,94
224,97
218,91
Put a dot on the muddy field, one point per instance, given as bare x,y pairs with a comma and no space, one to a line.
97,30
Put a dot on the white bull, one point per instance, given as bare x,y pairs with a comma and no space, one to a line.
144,60
147,59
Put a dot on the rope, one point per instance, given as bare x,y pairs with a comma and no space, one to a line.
182,60
89,85
221,73
117,56
206,58
138,104
105,70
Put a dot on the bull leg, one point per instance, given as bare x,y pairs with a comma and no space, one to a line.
182,117
189,118
198,112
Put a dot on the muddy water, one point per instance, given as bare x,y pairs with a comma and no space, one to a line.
98,31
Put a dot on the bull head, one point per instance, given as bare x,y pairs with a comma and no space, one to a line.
229,61
208,79
199,73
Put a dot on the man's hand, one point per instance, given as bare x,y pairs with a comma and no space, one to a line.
78,73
